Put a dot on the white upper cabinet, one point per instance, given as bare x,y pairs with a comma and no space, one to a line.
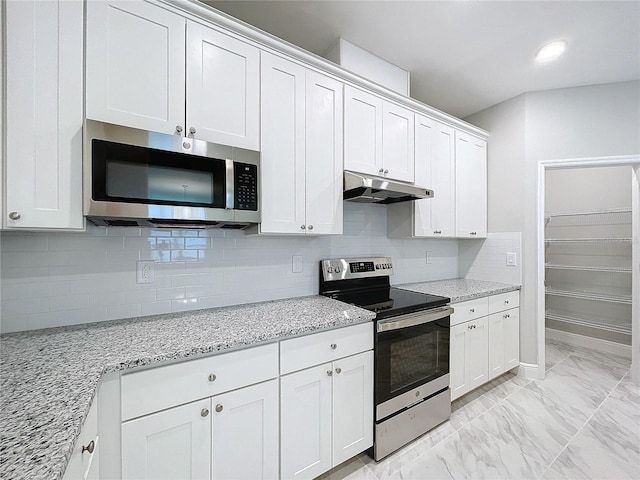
44,97
223,88
471,186
435,155
362,131
135,65
379,136
151,69
397,142
301,149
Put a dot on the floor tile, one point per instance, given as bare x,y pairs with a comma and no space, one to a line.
610,368
469,407
500,388
534,404
472,453
352,469
389,466
536,439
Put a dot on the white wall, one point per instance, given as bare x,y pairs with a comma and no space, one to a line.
597,120
54,279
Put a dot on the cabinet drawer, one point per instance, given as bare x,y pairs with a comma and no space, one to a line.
504,301
83,464
465,311
303,352
163,387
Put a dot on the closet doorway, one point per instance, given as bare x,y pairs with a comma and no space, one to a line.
589,256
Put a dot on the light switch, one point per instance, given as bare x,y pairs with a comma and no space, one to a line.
296,264
512,259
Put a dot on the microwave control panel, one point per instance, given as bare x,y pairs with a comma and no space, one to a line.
245,186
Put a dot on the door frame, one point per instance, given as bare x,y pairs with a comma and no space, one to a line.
589,162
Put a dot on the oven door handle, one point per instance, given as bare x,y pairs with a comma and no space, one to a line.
411,320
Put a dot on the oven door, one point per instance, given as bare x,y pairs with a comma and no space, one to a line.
412,359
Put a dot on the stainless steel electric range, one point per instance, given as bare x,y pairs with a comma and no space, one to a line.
411,387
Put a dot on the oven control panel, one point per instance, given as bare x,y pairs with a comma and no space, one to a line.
350,268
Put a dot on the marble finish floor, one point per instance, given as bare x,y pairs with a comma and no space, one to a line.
581,422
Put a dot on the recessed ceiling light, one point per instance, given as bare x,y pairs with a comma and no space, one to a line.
551,51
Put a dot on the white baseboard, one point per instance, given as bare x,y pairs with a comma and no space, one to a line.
589,342
528,370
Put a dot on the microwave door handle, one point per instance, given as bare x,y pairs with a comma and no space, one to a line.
229,182
411,320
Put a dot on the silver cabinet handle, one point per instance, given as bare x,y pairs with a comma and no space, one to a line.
334,346
192,130
14,216
212,377
178,128
303,227
506,316
472,310
437,232
330,373
506,302
386,171
338,370
219,408
381,171
470,327
204,412
473,233
310,227
89,448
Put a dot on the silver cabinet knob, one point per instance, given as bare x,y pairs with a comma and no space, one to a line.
381,170
219,408
186,144
474,233
310,227
437,232
14,215
386,171
178,128
303,227
330,372
506,302
334,346
470,327
212,377
89,448
338,370
204,412
506,316
472,310
192,130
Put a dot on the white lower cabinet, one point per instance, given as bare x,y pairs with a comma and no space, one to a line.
172,444
84,463
485,339
233,435
326,409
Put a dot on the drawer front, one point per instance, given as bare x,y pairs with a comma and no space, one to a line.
504,301
164,387
317,348
83,464
465,311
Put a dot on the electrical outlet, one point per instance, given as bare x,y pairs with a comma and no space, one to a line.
512,259
145,271
296,264
428,256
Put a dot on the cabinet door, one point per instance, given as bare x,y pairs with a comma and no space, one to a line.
323,157
362,132
424,136
477,360
511,326
44,62
471,186
135,65
172,444
305,428
496,344
245,428
352,406
457,361
283,148
439,219
398,142
223,88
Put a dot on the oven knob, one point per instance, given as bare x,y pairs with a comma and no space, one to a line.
330,269
337,269
378,266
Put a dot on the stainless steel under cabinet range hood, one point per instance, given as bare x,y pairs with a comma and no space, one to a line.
365,189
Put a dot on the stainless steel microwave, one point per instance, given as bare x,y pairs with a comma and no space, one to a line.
138,178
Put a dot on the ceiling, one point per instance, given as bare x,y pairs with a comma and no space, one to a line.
465,56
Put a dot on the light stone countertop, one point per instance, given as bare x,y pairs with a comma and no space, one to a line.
459,290
48,378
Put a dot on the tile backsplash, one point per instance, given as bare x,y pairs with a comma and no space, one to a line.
487,260
54,279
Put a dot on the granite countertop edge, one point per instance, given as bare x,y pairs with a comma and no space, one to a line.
320,314
459,289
